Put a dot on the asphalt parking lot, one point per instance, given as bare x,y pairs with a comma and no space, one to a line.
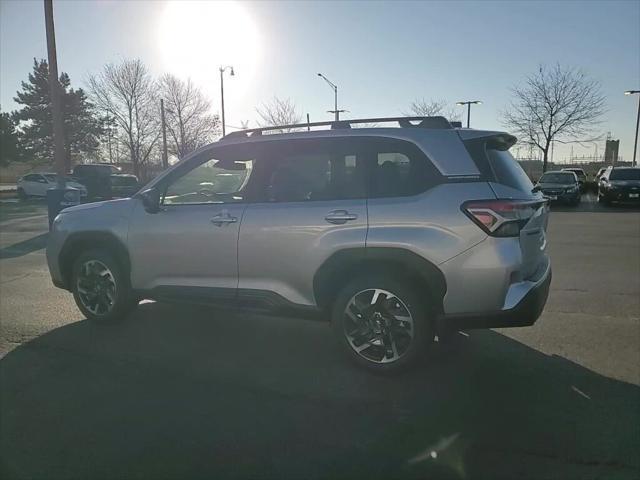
189,392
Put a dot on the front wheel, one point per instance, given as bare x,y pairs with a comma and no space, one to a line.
100,288
22,195
381,323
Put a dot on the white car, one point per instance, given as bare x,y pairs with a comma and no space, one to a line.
37,184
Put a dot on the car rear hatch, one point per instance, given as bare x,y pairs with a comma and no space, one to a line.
520,212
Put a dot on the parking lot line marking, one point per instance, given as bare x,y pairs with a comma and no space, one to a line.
576,389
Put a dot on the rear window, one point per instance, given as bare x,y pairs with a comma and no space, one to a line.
625,174
496,164
92,170
579,173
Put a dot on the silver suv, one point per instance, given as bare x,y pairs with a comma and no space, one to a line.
397,234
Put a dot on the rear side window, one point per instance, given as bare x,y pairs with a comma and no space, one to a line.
497,164
317,170
400,169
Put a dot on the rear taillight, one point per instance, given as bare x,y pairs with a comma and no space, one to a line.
502,218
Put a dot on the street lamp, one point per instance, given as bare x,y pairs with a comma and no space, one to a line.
468,104
222,70
335,93
635,142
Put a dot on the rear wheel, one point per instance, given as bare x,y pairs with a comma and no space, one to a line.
22,195
100,288
381,323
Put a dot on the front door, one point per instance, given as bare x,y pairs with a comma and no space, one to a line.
189,248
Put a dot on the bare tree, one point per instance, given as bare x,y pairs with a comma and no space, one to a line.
126,92
421,107
279,111
556,103
189,121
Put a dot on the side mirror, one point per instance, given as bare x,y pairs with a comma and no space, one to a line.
151,200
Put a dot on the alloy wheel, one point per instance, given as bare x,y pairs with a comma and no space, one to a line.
96,286
378,325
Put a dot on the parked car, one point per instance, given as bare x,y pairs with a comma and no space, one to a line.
123,185
600,172
619,184
96,178
37,184
561,186
395,234
582,177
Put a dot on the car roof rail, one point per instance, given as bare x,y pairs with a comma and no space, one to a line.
440,123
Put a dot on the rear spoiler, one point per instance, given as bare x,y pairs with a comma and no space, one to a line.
497,140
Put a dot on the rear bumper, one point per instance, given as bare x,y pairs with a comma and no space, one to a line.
621,195
523,314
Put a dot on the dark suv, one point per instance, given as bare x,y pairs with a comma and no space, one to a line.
619,184
96,178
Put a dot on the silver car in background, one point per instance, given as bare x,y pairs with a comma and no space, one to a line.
397,234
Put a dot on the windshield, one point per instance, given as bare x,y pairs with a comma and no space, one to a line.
625,174
562,178
50,178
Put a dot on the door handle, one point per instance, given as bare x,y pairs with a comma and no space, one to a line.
223,219
339,217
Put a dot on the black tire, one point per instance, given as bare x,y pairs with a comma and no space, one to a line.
409,301
22,195
123,300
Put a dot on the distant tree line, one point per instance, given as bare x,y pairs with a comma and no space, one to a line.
118,117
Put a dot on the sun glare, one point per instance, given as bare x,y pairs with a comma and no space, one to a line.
197,37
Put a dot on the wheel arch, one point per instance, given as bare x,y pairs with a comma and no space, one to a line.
78,243
342,266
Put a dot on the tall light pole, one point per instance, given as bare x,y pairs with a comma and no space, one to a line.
335,94
468,103
635,141
56,104
222,70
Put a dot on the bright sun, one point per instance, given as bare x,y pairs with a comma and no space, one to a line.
197,37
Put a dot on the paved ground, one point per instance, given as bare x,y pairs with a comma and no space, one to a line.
186,392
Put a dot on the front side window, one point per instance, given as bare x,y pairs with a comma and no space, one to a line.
315,171
215,181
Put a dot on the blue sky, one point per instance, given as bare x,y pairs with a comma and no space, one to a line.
382,55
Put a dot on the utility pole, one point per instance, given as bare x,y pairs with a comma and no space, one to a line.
635,141
61,161
222,70
165,156
308,127
109,143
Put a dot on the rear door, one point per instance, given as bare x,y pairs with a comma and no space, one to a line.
311,204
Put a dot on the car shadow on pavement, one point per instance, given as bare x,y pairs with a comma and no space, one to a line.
189,392
25,247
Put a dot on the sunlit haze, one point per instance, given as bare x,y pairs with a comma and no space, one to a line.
382,55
